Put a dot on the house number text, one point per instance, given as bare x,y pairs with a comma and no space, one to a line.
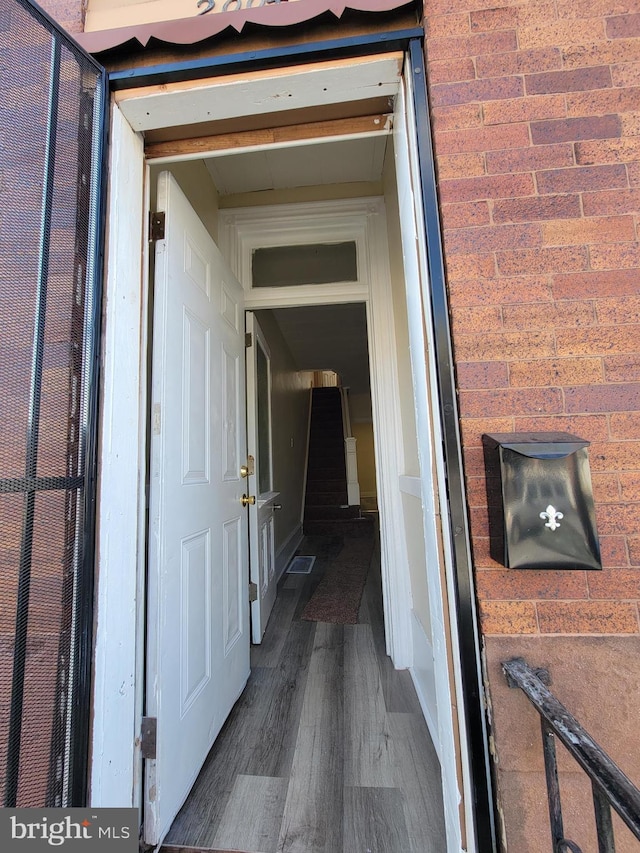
233,5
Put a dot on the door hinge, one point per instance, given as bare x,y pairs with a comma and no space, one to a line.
156,226
248,340
148,737
253,591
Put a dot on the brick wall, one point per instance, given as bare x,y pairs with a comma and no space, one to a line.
536,111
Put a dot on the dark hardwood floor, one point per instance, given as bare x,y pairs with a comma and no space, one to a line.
326,751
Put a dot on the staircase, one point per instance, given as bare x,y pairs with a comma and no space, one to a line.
326,501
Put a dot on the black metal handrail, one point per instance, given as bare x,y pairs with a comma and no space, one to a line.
611,788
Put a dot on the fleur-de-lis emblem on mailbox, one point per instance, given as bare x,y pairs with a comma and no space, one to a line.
553,515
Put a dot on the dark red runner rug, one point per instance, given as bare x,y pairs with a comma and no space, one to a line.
337,596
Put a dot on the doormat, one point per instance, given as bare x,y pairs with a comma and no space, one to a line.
337,596
301,565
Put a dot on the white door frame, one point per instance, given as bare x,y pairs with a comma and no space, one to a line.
119,656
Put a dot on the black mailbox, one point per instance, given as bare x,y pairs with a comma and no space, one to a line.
540,501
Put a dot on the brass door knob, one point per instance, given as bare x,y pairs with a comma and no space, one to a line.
248,500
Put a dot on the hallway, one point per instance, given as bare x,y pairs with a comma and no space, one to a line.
326,750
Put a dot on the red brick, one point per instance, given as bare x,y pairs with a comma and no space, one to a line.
610,202
508,617
581,179
618,519
633,171
503,346
587,617
536,208
614,229
494,19
621,256
597,341
524,109
611,151
516,401
494,186
482,139
625,425
530,159
557,372
593,284
572,129
616,584
630,485
613,551
634,550
438,26
530,585
519,62
501,291
591,8
473,45
556,315
602,53
626,309
626,75
469,268
603,398
623,26
477,319
482,374
461,166
537,13
461,215
456,118
530,261
452,70
615,455
591,427
481,554
560,33
489,238
581,79
606,488
475,491
603,102
473,428
622,368
448,94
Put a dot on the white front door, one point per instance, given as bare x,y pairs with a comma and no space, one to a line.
260,480
198,613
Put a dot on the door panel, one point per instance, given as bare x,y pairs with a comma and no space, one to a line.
260,481
198,619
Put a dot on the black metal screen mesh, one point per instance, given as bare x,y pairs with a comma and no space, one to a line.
51,105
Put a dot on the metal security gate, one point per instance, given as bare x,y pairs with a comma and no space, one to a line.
52,106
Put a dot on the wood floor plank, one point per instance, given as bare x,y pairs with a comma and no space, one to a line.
271,744
374,821
368,744
261,799
269,651
312,820
418,777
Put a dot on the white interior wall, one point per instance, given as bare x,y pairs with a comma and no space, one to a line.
290,399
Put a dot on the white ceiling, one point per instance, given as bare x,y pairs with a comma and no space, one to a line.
335,162
329,337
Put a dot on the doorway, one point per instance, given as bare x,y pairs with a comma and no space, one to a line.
414,600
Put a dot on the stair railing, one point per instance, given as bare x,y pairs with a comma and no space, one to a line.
350,457
610,786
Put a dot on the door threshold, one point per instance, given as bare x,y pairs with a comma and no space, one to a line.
180,848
